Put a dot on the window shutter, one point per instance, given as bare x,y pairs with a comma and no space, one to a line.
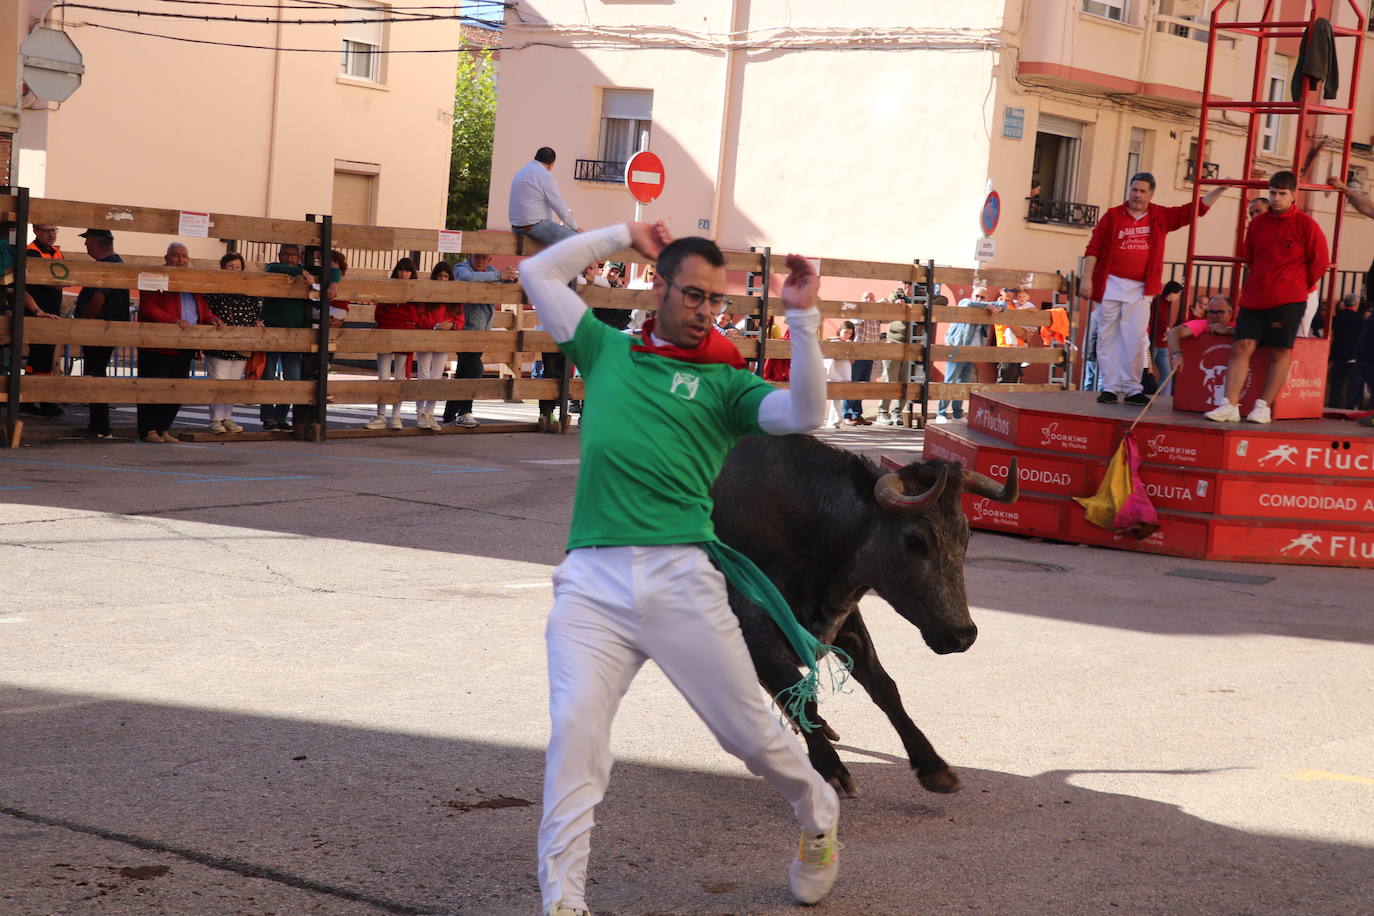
1062,127
632,104
369,32
353,198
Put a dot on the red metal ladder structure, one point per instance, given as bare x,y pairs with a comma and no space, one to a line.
1265,30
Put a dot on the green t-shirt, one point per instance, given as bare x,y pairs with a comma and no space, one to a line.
654,437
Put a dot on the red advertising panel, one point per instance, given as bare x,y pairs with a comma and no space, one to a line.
1175,488
1316,545
1308,454
1181,445
1025,516
941,444
1301,498
1062,433
1178,536
995,419
1201,381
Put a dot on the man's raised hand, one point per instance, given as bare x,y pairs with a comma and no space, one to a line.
649,239
802,284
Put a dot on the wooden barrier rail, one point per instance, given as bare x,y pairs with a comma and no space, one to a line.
510,342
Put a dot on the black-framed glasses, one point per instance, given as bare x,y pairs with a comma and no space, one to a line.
1215,312
693,297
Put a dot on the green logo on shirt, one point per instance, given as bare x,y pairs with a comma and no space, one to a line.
689,381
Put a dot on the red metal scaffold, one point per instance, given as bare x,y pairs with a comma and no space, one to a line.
1265,30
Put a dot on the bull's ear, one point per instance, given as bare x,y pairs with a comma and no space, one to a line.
982,485
892,495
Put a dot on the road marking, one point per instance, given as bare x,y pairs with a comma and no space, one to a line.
242,479
552,461
14,620
1315,775
16,488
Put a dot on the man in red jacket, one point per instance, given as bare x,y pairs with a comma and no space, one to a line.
1122,269
1286,253
167,307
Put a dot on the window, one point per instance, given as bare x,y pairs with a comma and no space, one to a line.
626,118
1057,144
1107,9
1272,130
361,41
1135,151
1013,122
354,197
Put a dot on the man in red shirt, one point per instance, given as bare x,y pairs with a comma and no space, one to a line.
1286,253
1122,269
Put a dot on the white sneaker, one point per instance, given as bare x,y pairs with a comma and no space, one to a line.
884,418
396,422
466,420
1226,413
558,909
941,418
377,422
217,426
816,866
1260,413
431,423
231,427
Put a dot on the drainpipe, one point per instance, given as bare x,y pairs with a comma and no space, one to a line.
725,110
272,120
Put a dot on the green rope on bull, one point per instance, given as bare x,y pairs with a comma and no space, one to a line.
750,581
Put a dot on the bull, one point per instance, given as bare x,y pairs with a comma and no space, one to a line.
827,526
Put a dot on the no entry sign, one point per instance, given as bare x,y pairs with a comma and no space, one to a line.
644,176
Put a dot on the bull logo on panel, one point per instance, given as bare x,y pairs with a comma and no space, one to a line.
1304,544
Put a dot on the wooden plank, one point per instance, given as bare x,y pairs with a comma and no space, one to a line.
942,391
94,332
845,350
1020,318
122,218
869,391
1046,355
1001,277
80,390
179,279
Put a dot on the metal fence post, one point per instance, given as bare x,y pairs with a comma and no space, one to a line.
16,354
1072,279
322,377
929,331
763,303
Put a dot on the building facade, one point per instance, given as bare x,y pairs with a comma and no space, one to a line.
857,133
307,118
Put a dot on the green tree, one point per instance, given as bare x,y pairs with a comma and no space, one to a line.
474,124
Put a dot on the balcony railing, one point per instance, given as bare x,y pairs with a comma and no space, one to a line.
599,170
1063,212
1210,170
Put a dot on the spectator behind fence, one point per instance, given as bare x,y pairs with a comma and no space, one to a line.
166,307
1216,319
1009,336
49,300
898,371
1343,371
866,331
282,312
236,310
959,371
1165,311
434,316
394,316
476,317
534,198
839,369
107,305
1122,268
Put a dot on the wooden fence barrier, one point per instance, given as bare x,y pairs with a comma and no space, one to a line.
510,342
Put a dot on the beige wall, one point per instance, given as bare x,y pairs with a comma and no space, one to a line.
197,127
885,155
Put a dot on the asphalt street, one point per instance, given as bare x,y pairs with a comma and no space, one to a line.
281,677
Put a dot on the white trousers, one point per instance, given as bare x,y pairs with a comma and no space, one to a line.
428,365
231,369
391,366
1122,338
614,608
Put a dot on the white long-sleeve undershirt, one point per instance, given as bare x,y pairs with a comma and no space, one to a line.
545,278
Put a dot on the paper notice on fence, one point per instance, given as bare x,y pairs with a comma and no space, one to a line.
195,225
153,283
450,241
815,265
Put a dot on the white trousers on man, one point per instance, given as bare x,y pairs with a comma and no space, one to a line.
614,608
1122,338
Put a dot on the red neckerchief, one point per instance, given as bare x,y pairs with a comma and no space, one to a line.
716,348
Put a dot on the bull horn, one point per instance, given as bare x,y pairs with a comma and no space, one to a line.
891,495
983,485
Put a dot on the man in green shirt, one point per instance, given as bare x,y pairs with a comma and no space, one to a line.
641,580
278,312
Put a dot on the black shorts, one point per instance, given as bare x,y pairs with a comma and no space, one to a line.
1276,327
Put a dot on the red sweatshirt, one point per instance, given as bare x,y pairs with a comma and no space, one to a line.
428,314
161,307
397,316
1287,255
1106,234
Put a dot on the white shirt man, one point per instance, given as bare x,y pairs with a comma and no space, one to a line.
534,199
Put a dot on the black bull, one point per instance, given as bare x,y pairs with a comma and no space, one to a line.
827,526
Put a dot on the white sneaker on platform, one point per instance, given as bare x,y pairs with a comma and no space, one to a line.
884,418
377,422
1260,413
816,866
941,418
217,426
431,423
467,421
1226,413
231,427
396,422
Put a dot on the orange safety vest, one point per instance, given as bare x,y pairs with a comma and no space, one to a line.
55,256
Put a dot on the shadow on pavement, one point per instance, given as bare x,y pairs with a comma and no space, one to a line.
363,821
